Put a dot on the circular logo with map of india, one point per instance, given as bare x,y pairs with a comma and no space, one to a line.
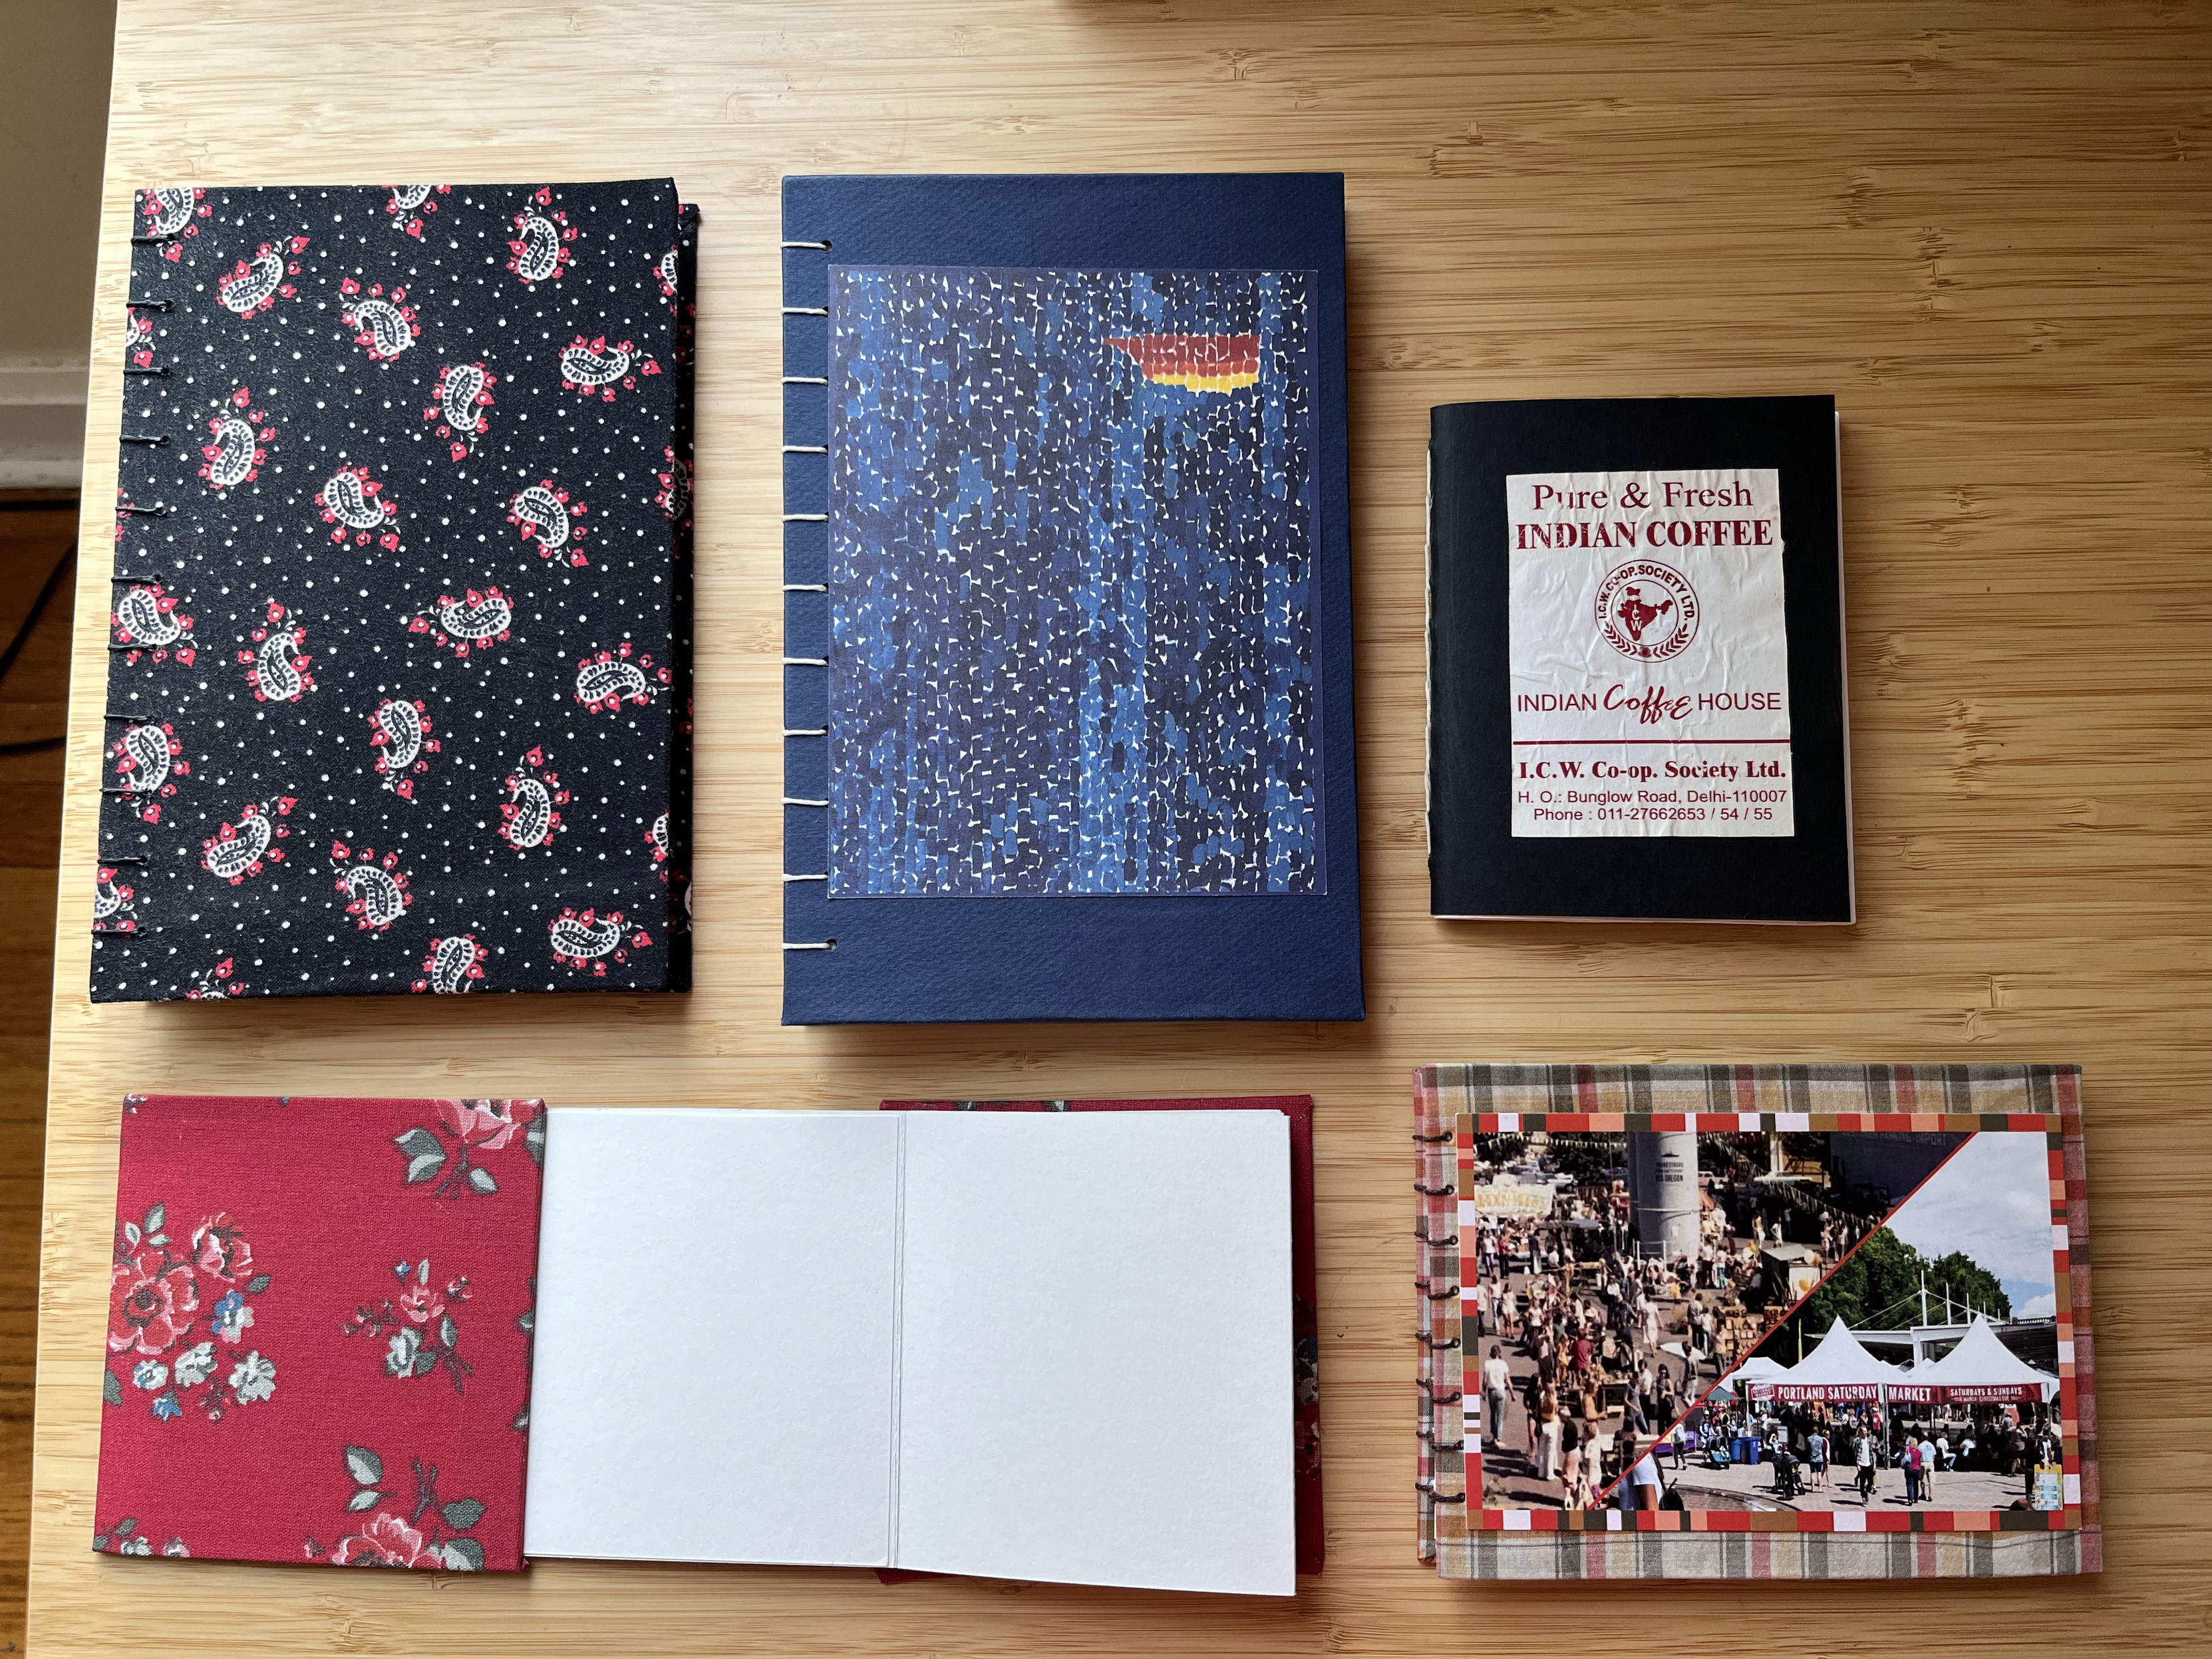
1647,610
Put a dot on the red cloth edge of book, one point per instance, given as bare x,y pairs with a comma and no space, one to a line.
1311,1536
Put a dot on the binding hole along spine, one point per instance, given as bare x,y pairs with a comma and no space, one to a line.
799,629
118,578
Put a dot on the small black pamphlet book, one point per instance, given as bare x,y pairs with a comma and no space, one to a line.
1637,707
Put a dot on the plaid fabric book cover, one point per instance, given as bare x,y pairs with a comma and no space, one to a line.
1753,1322
318,1331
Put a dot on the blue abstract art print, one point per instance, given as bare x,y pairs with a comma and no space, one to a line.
1071,545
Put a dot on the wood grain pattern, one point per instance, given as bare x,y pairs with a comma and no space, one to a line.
1983,227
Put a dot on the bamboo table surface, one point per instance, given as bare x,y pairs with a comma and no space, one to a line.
1984,229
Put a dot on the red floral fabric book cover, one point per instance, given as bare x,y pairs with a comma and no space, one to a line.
318,1331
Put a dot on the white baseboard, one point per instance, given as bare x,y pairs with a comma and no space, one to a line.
41,423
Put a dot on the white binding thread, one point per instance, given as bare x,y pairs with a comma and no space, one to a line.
806,588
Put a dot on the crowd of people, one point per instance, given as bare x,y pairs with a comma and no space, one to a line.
1808,1444
1603,1346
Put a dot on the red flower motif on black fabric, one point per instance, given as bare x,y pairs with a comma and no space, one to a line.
254,285
384,323
277,666
587,938
375,889
531,815
240,443
400,730
590,366
410,202
213,984
608,679
356,504
239,850
463,395
147,620
549,521
539,249
473,622
455,965
148,759
170,213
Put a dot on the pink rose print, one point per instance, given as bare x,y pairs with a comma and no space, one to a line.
218,1248
470,1127
420,1335
156,1306
387,1540
491,1124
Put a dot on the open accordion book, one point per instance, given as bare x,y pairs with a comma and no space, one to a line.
1786,1322
398,675
1044,1344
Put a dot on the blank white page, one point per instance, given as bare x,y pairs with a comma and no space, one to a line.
714,1353
1095,1366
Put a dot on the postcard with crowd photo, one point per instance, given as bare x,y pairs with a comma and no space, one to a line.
1755,1321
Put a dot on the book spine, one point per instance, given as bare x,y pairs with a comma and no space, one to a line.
137,742
806,600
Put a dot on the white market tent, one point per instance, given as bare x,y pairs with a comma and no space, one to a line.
1757,1369
1981,1370
1840,1369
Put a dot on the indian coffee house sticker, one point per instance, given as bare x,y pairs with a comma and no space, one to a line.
1649,664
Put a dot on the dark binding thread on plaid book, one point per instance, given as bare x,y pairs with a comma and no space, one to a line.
821,733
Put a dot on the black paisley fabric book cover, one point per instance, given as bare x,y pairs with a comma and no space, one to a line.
397,693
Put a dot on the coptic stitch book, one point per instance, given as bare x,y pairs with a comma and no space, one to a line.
394,696
1763,1322
1067,703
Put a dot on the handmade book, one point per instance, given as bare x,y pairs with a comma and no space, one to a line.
1767,1322
1020,1345
1305,1358
1636,704
395,700
318,1331
1068,696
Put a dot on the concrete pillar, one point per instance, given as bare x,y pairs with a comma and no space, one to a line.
1663,1192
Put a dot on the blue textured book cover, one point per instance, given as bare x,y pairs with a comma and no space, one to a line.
1067,697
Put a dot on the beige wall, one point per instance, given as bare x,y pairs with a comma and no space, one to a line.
53,137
